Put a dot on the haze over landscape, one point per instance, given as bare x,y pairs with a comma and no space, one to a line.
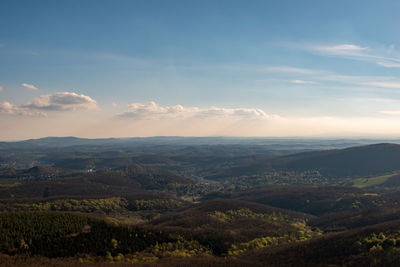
199,133
199,68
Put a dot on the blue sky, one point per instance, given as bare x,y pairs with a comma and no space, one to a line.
143,68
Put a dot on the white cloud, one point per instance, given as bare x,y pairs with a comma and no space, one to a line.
29,86
151,109
388,64
287,69
231,112
10,109
62,101
342,49
6,108
303,82
383,84
154,111
114,105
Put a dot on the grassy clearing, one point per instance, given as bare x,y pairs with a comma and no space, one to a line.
372,181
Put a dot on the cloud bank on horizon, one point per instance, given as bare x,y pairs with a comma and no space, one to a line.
268,68
152,110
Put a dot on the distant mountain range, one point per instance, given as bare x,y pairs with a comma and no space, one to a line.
277,143
356,161
216,157
224,201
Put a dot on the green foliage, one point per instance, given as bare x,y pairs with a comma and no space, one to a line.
257,243
181,248
382,241
105,205
371,181
253,223
54,234
154,204
242,182
230,215
219,224
304,232
316,200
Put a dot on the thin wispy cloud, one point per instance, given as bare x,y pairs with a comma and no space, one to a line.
288,69
1,88
302,82
343,49
389,64
30,86
387,57
384,84
324,77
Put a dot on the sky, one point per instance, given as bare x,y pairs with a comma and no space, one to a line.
96,69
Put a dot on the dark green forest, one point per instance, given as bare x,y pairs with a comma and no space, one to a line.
211,202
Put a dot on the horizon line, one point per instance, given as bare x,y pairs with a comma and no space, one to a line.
294,137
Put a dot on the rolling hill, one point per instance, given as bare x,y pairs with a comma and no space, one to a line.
358,161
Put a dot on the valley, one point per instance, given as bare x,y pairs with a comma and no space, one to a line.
216,202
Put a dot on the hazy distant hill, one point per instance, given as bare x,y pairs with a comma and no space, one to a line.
272,143
36,173
354,161
336,163
114,182
316,200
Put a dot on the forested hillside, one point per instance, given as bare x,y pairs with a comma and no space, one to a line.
94,203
